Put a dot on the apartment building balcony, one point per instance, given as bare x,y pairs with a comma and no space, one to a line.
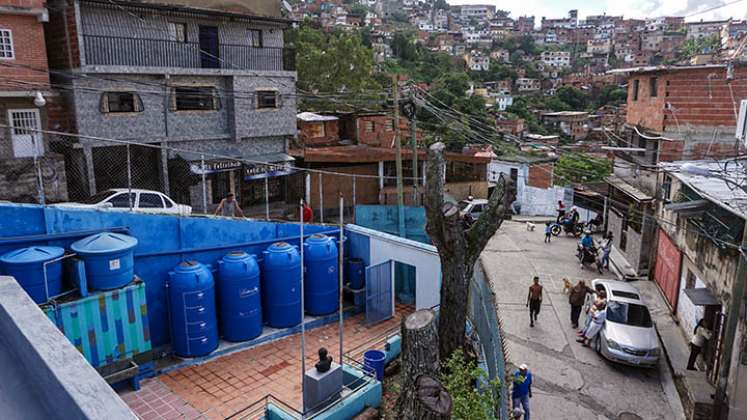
103,50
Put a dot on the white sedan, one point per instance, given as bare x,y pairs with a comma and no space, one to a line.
141,201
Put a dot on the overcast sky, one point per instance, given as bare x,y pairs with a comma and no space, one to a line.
627,8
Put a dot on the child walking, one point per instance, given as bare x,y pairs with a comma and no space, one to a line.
548,232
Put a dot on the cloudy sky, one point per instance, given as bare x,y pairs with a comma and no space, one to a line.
694,9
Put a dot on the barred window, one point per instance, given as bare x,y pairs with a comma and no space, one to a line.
267,99
368,126
6,45
119,102
196,99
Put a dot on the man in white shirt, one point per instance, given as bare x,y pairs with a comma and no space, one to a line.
701,335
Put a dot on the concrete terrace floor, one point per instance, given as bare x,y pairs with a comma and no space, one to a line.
570,381
223,386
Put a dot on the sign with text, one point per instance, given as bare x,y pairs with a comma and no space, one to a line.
266,170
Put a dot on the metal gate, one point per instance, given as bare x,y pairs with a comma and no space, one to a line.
379,294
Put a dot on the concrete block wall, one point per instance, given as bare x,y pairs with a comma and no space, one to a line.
47,365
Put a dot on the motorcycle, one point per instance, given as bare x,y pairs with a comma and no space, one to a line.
589,257
567,226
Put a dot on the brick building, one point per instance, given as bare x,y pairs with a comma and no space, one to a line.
673,113
200,80
317,130
26,101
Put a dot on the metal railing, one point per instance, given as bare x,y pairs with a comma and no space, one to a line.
145,52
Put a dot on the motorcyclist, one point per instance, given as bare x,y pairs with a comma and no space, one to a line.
586,246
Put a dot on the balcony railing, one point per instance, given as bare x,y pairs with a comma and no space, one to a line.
139,52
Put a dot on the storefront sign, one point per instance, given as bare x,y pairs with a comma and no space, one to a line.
213,166
261,170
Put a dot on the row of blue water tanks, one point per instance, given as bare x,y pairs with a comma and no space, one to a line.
108,259
246,299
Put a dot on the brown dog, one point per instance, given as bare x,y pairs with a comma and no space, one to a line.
567,286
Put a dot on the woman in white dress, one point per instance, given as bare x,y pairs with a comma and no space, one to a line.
598,316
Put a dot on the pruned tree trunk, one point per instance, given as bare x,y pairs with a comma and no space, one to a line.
432,400
458,248
419,356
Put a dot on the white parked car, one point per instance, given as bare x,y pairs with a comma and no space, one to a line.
628,335
143,201
473,207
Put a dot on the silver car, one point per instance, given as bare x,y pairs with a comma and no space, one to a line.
628,335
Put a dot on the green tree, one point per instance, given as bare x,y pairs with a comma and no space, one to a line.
612,95
574,98
576,168
694,46
403,46
333,63
468,401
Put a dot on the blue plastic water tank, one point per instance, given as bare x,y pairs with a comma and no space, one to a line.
27,266
194,328
108,259
321,282
281,286
239,297
356,270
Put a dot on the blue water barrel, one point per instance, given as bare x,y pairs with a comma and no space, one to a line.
239,297
108,258
281,286
321,282
194,328
356,269
27,266
374,362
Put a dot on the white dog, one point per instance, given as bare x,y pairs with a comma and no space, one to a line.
530,227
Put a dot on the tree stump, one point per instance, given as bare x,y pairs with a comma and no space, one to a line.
419,357
432,400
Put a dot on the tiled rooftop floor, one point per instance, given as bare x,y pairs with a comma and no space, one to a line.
221,387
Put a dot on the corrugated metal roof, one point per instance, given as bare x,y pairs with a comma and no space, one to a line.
722,186
311,117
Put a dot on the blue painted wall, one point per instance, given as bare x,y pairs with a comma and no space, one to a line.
384,218
163,242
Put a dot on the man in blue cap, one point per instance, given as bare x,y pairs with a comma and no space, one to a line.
522,389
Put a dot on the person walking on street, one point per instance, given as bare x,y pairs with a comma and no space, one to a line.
229,207
606,249
577,298
701,335
534,300
522,389
548,232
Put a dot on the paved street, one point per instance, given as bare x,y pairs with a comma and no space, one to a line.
571,381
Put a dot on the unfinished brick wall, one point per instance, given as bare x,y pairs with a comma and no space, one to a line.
28,69
366,188
699,97
540,175
306,132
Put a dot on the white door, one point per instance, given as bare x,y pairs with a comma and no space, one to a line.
23,134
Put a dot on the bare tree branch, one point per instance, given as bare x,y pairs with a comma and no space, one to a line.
489,222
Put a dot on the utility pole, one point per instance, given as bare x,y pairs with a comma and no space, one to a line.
732,319
398,159
414,139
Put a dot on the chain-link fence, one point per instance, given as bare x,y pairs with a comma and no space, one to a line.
178,178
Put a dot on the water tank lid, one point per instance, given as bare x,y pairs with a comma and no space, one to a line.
104,243
318,237
34,254
235,256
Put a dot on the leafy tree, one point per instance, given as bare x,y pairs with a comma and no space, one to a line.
359,9
400,17
694,46
612,95
574,168
469,402
333,63
403,46
574,98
